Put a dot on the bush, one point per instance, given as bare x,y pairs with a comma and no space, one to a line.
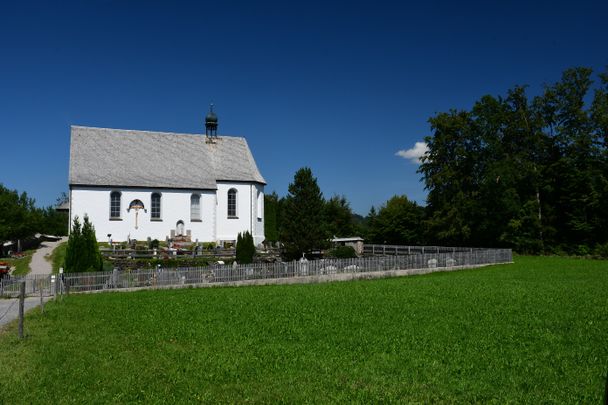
582,250
133,264
82,253
601,250
209,245
342,252
245,249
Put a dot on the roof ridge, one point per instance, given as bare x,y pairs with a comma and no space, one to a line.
147,131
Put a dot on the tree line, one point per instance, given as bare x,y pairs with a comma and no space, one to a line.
304,221
20,218
530,173
525,172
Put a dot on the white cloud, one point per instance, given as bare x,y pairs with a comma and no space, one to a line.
414,154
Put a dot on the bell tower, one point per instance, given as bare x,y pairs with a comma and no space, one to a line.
211,124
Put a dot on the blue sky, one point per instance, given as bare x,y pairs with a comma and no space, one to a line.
340,87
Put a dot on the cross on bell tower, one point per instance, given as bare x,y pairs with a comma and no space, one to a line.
211,123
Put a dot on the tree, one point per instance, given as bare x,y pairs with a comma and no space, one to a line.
399,222
82,253
370,228
338,217
75,246
451,171
271,215
54,222
528,174
302,216
19,217
245,248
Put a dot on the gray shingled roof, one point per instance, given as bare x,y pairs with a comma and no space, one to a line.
116,157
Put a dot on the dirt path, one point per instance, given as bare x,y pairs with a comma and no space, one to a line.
39,265
9,308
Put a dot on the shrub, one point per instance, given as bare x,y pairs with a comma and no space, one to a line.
342,252
82,253
582,250
209,245
601,250
245,249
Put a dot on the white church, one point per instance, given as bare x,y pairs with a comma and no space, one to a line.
158,185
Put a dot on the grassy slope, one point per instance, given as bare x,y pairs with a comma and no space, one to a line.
535,331
22,265
57,257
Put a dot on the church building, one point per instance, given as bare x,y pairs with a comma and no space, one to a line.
158,185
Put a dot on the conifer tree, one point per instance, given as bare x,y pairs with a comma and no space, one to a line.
245,249
271,226
82,253
91,248
72,253
302,227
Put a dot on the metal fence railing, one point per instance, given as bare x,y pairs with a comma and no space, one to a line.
401,250
160,277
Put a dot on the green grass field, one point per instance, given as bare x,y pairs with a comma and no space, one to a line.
535,331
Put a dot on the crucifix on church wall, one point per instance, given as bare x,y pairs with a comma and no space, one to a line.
136,205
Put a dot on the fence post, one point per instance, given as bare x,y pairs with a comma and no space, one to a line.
21,303
41,300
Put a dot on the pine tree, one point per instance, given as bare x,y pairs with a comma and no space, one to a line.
82,253
302,216
91,248
245,249
338,217
271,226
72,253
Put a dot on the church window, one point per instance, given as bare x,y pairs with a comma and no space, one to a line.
195,207
155,206
232,203
260,205
115,204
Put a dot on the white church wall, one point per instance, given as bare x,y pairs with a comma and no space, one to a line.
258,203
246,218
175,206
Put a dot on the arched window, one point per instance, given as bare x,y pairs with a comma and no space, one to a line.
155,206
115,204
232,203
195,207
260,205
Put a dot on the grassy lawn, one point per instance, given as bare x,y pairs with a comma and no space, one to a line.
57,257
22,265
535,331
